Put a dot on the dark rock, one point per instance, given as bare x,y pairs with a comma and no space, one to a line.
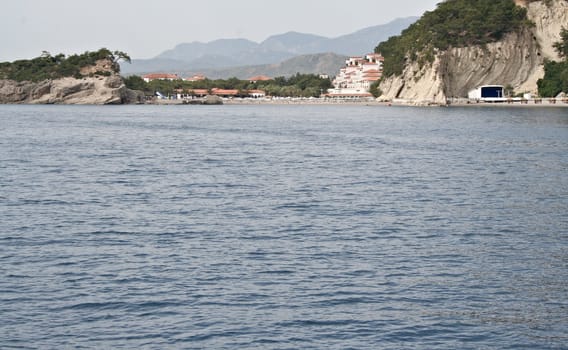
42,88
212,100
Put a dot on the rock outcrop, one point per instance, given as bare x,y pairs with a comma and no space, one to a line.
516,60
98,90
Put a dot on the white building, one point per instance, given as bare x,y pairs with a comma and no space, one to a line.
257,93
356,77
488,93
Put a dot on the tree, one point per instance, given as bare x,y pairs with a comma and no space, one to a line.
135,82
47,66
556,73
562,46
555,79
304,85
509,90
119,55
375,91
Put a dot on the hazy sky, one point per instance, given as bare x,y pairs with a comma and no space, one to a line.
145,28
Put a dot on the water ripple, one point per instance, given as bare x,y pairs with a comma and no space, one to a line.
283,227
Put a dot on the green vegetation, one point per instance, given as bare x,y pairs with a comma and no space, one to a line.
562,46
299,85
134,82
374,90
556,73
47,66
555,79
454,23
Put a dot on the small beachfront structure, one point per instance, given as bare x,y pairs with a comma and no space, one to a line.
257,93
356,77
488,93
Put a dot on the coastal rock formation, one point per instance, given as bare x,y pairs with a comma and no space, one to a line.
207,100
419,85
513,61
99,90
516,60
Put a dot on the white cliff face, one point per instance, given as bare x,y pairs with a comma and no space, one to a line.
548,21
417,85
511,61
517,60
100,85
100,90
89,90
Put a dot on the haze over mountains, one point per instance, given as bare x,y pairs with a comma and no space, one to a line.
282,54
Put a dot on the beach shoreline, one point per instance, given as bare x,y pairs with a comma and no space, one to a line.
535,103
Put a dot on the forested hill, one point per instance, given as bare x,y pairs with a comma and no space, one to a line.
465,44
88,78
48,67
454,23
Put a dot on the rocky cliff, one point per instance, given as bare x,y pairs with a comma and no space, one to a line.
89,90
100,84
516,60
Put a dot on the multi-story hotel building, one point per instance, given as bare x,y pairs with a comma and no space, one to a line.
355,79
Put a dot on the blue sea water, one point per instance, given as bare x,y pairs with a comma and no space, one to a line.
283,227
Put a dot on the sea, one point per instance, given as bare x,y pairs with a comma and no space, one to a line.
283,227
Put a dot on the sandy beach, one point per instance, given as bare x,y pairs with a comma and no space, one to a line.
533,103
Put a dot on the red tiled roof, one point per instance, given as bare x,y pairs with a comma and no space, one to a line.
225,92
200,91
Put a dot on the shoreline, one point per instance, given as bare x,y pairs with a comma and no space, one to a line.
543,103
540,103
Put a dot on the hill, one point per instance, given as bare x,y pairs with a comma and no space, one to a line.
88,78
463,44
325,63
229,53
102,62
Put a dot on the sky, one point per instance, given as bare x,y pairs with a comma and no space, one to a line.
144,29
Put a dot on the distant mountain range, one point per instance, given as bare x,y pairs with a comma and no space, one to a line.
321,63
286,53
